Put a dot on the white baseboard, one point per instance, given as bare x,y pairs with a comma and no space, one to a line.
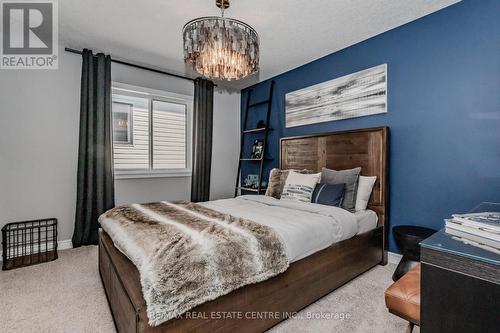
64,244
61,245
393,257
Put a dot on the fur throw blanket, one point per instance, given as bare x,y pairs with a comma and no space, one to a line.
187,254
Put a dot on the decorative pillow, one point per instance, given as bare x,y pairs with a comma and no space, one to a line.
277,180
330,195
365,188
349,178
299,187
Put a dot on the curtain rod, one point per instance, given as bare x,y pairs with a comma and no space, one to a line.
126,63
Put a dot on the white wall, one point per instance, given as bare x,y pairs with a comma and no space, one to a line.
39,124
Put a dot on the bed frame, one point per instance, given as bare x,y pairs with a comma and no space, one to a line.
257,307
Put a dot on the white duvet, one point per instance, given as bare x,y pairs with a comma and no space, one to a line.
305,228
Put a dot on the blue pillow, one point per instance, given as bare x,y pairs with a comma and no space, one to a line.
328,194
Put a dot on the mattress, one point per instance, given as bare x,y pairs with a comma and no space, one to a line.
367,220
305,228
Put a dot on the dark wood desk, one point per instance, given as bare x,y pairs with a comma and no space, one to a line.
460,287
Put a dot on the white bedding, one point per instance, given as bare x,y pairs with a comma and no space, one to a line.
305,228
367,220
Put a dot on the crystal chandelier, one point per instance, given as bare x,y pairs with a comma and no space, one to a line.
221,48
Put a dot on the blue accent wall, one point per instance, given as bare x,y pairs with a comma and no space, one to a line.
443,109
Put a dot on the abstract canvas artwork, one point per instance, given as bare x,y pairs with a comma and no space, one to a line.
355,95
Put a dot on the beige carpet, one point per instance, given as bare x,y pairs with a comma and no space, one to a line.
66,295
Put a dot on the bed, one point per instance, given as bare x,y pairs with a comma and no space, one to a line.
314,271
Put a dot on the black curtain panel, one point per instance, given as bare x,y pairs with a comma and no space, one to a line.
95,184
202,139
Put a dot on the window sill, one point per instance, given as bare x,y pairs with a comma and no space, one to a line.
143,174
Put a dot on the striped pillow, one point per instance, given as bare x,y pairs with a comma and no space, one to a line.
299,187
326,194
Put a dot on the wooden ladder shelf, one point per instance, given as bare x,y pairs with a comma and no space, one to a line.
263,130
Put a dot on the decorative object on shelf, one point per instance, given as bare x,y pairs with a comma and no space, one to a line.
261,124
252,181
257,149
221,48
360,94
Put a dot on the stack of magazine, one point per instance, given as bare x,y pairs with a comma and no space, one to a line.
479,229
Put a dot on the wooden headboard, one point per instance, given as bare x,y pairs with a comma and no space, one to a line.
367,148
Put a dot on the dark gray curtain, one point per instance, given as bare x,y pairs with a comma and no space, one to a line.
202,139
95,185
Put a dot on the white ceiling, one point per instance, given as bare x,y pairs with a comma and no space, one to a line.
292,32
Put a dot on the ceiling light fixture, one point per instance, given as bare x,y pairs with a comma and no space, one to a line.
221,48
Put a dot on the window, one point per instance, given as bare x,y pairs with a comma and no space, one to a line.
151,132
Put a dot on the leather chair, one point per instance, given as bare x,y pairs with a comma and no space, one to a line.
402,298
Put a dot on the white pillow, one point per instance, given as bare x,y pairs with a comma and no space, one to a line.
365,187
300,187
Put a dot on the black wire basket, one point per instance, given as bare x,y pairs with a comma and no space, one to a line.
29,242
